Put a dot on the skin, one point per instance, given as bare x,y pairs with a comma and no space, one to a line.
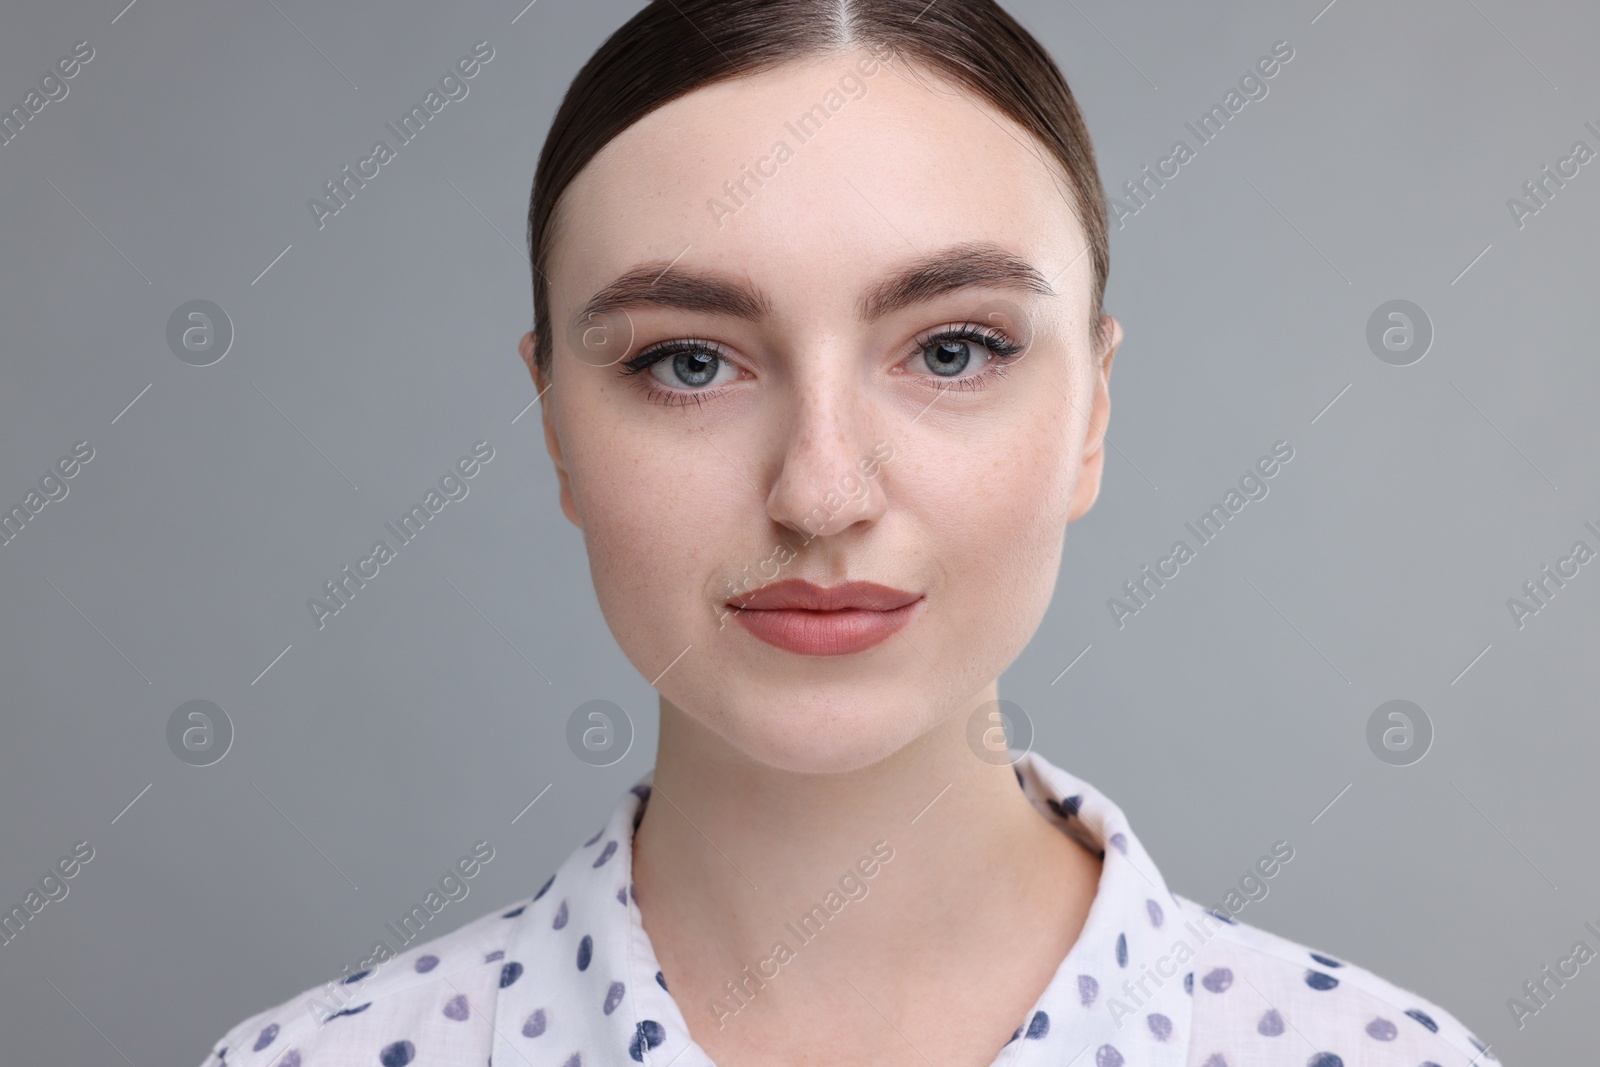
776,772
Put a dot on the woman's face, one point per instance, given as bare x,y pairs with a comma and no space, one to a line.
813,231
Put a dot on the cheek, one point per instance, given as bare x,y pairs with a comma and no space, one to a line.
998,515
1003,492
650,511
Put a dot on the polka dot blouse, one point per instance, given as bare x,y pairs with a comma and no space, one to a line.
567,978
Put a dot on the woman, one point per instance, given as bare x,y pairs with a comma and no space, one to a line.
818,335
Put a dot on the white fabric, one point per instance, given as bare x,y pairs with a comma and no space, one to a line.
568,978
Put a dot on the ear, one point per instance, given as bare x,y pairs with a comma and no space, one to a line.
552,441
525,348
1094,452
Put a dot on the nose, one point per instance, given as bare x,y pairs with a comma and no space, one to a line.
829,478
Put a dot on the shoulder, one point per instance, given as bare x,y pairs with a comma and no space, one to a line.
431,1002
1260,998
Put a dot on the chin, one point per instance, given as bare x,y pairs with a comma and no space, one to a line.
820,732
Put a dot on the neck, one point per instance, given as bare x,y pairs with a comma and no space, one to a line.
732,855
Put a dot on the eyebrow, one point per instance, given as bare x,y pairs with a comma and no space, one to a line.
947,270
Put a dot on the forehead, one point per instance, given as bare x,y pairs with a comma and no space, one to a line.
813,179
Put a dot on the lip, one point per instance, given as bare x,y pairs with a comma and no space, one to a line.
801,595
813,620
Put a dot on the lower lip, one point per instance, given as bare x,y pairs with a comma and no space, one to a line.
825,633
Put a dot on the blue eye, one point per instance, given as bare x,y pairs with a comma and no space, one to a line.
681,371
693,368
682,366
947,358
950,352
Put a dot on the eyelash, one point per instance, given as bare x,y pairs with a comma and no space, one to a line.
666,350
1002,350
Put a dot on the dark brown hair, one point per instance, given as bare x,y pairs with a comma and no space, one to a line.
673,47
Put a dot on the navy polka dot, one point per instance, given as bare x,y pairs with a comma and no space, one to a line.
351,979
1218,980
1160,1026
535,1024
1088,989
1271,1024
268,1035
595,838
510,973
1423,1018
661,980
1325,1059
351,1011
1155,912
1382,1030
574,1060
1320,981
495,955
1119,842
398,1054
1065,808
1106,1056
1039,1025
1216,1059
457,1008
561,917
622,894
1326,961
585,952
641,791
606,853
288,1059
649,1034
1122,950
545,888
426,963
513,913
613,998
1188,983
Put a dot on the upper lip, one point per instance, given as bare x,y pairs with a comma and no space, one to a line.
799,594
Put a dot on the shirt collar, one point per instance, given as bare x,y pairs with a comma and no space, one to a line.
582,978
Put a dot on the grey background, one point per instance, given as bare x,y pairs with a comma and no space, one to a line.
1226,715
